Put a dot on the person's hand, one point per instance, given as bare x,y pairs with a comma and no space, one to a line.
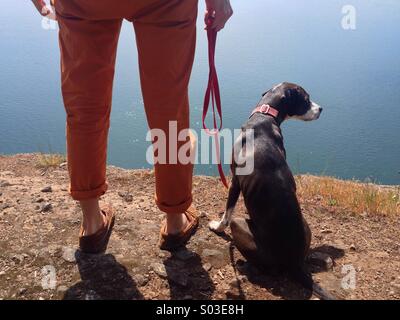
219,11
44,10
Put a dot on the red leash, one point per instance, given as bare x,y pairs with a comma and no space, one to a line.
213,94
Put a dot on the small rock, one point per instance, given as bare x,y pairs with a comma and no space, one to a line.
46,207
159,269
234,284
4,206
18,258
46,189
4,183
63,165
39,200
353,247
126,196
22,291
215,257
69,254
62,289
326,231
322,260
207,266
141,280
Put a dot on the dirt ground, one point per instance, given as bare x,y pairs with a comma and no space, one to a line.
353,256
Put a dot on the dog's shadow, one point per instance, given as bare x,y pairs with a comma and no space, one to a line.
102,278
276,284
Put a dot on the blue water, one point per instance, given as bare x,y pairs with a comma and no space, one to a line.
353,74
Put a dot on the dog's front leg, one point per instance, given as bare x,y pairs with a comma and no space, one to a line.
234,192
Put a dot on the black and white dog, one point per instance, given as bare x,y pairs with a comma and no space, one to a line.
275,237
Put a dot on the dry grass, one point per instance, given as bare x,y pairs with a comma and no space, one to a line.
350,195
45,161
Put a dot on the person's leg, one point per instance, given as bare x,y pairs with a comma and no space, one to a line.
166,39
88,51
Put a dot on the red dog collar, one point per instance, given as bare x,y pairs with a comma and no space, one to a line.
266,109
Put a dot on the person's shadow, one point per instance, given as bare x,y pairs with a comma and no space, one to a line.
103,278
187,278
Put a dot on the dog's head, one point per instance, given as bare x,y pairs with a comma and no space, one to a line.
292,101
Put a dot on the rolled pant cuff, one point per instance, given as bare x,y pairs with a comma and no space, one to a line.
182,207
89,194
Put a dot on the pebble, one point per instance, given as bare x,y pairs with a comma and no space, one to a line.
69,254
159,269
126,196
39,200
207,266
215,257
141,280
22,291
62,289
62,165
46,189
4,206
4,183
322,260
18,258
46,207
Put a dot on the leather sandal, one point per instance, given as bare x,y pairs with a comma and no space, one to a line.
171,242
97,242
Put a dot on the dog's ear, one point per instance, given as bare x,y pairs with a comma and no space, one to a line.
292,93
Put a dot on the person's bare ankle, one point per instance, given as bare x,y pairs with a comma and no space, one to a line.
176,223
93,218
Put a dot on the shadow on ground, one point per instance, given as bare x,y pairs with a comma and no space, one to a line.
102,278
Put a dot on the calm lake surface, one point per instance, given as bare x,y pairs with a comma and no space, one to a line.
353,74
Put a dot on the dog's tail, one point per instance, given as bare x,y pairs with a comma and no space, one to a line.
303,277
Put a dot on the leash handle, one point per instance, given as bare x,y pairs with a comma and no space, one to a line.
213,94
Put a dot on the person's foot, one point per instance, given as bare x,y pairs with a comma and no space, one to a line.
97,242
93,218
176,223
181,228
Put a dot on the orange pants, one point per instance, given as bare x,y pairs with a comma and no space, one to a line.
165,35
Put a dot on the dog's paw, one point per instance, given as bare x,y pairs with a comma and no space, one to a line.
216,226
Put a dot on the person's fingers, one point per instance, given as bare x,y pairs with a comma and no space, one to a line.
209,18
219,22
41,7
52,15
